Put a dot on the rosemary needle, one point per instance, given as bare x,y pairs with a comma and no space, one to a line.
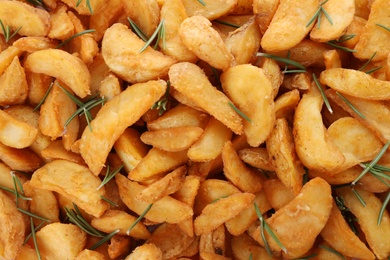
240,112
139,218
326,101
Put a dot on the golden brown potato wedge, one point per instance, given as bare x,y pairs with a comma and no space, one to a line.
264,11
211,10
13,84
20,159
34,43
145,251
257,157
61,27
277,193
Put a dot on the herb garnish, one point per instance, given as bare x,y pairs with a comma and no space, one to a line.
384,27
108,200
74,36
161,105
139,218
286,61
332,251
351,105
326,101
202,2
240,112
159,33
37,3
109,175
7,31
227,23
346,213
368,61
318,14
35,239
137,30
382,210
44,97
87,3
266,227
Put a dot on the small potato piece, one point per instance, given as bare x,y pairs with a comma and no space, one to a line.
56,150
110,87
217,213
298,223
272,71
38,85
170,239
20,159
257,157
89,255
32,21
61,27
16,133
258,106
167,185
121,51
156,163
374,38
286,103
7,56
73,181
289,25
264,11
340,237
235,170
119,246
113,118
312,144
146,252
210,143
356,83
84,8
332,59
277,193
112,220
211,10
69,241
199,37
374,233
173,139
13,84
341,13
174,13
281,151
166,209
190,80
34,43
244,246
12,227
148,19
63,66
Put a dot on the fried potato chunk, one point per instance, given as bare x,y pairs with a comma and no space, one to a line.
13,84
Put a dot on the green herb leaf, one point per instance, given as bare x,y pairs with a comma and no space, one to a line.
7,31
373,70
202,2
359,197
240,112
351,105
161,105
75,217
283,60
74,36
368,61
36,228
250,256
154,35
326,101
44,97
306,257
104,239
137,30
28,213
109,175
108,200
226,23
35,239
336,46
139,218
87,3
332,251
384,27
37,3
383,208
318,14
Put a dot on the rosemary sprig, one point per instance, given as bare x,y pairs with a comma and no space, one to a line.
346,101
226,23
74,36
217,199
35,239
87,3
84,108
359,197
332,251
318,14
137,30
373,70
28,213
44,97
326,101
161,105
36,228
202,2
7,31
250,256
37,3
104,240
336,46
372,163
367,62
283,60
240,112
75,217
266,227
109,175
18,186
384,27
287,70
139,218
159,33
378,171
346,213
382,210
108,200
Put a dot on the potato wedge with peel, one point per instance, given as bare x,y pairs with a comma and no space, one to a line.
211,10
356,83
7,56
16,133
341,13
197,34
13,84
112,220
374,38
210,143
258,106
312,144
281,151
191,81
61,65
214,241
264,11
235,170
170,239
340,237
256,157
33,21
367,215
12,228
217,213
73,181
243,247
298,223
71,241
165,186
121,51
113,118
172,139
20,159
277,193
166,209
83,8
145,251
289,25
